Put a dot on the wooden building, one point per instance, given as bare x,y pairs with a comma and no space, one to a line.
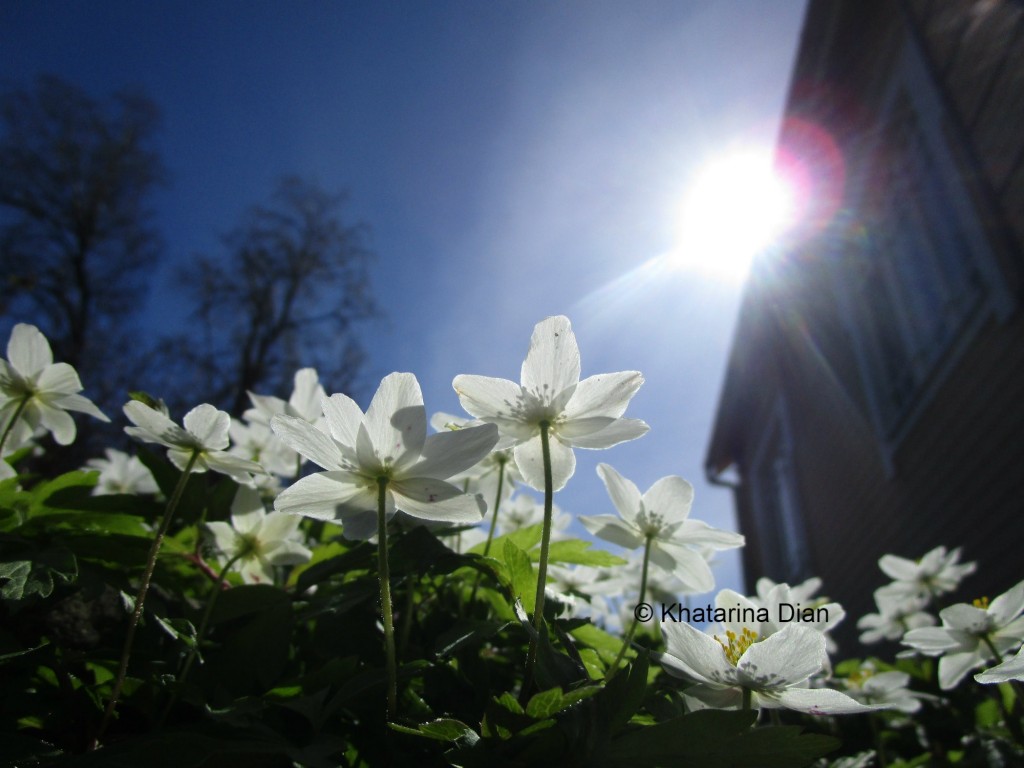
874,400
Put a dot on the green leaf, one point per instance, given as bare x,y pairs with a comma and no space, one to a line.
548,703
578,552
442,729
525,538
38,575
523,579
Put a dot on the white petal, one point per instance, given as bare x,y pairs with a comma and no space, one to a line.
606,394
613,529
685,564
699,655
1008,605
966,617
498,401
530,460
622,491
28,350
821,701
343,418
305,399
82,405
450,452
786,658
552,363
360,526
303,437
235,467
619,431
256,570
247,511
328,496
1011,669
396,421
699,533
953,667
58,422
436,500
278,526
59,378
671,497
209,426
898,568
154,427
224,537
287,553
931,640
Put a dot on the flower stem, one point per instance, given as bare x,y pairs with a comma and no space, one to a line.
746,699
200,634
494,519
542,573
385,595
1012,719
140,597
497,502
10,424
632,627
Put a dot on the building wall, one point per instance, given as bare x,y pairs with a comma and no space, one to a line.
954,473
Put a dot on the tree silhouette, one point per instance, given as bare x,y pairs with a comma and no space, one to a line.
286,293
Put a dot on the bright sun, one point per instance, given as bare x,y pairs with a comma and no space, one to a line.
735,206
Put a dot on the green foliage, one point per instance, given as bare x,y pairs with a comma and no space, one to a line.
293,672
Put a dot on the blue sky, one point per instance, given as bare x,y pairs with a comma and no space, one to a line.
512,161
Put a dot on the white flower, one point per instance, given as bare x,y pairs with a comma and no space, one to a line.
483,476
304,402
256,442
524,511
205,435
578,414
1011,669
121,473
966,632
898,613
258,540
661,515
890,688
44,391
775,669
387,444
936,573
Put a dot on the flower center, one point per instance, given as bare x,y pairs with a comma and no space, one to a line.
980,602
736,645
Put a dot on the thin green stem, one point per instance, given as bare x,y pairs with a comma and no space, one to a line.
385,595
542,572
1012,721
140,597
13,420
502,460
200,634
497,502
632,627
746,699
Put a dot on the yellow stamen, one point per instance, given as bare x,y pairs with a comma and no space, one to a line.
981,602
737,645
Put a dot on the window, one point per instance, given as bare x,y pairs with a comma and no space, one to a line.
779,524
919,280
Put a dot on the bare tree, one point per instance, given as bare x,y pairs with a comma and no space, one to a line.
76,227
287,292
